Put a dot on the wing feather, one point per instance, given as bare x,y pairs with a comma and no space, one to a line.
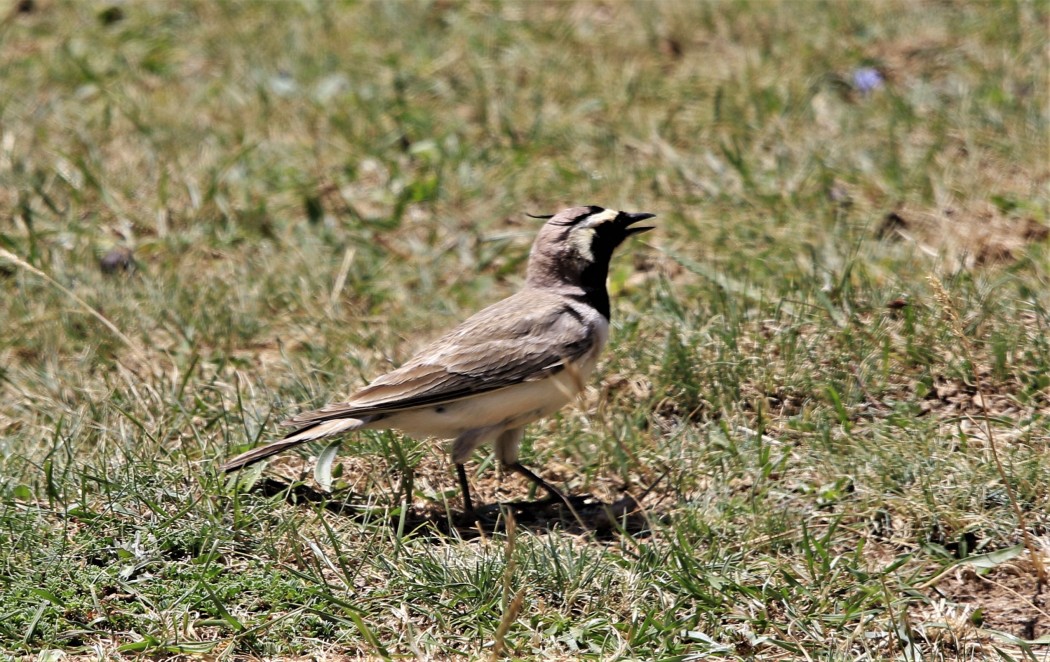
522,338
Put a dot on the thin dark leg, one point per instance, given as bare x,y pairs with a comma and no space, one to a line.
555,495
464,486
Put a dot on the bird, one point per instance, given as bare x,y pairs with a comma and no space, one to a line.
513,363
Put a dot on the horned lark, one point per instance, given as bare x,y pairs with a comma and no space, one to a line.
512,363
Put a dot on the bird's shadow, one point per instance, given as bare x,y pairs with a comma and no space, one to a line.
577,514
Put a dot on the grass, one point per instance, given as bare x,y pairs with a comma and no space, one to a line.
312,190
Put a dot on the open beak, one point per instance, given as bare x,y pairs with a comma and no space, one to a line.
631,219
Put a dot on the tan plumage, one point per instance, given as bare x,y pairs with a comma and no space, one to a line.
502,368
524,337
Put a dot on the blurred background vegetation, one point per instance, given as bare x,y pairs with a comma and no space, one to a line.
213,214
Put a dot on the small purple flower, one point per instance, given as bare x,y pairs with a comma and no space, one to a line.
867,79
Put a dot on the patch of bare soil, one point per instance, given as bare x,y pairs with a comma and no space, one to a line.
967,238
1005,599
576,514
951,397
371,489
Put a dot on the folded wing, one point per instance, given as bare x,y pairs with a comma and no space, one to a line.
499,347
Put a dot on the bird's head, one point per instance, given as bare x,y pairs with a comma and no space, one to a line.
575,245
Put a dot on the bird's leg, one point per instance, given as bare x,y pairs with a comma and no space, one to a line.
507,445
464,486
555,495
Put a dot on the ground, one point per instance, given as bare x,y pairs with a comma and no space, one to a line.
821,421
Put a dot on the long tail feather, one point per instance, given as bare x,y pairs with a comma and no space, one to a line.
324,429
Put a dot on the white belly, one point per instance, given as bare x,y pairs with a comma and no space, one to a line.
506,408
478,419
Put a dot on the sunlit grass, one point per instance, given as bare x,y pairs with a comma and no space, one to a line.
312,190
